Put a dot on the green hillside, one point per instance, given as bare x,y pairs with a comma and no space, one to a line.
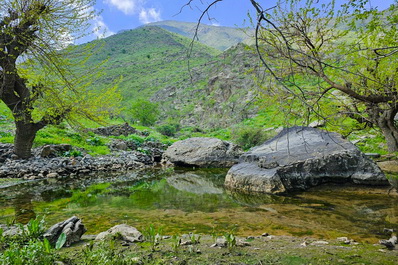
208,89
218,37
146,59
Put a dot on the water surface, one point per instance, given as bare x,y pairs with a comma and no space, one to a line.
184,201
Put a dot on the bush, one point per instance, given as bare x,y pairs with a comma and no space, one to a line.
145,112
168,129
248,137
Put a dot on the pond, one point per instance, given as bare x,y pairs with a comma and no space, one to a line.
183,201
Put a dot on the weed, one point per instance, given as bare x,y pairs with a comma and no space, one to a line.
175,243
96,141
152,235
194,239
231,240
34,228
72,153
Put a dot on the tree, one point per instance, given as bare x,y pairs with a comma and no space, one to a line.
145,111
342,57
37,81
315,48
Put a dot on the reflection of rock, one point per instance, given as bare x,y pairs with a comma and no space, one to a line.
256,199
299,158
193,183
72,228
123,232
203,152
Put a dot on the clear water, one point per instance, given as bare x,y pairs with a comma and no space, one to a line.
184,201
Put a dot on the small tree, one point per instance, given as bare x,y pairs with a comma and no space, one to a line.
37,83
146,112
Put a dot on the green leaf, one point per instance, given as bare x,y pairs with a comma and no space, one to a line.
61,241
47,245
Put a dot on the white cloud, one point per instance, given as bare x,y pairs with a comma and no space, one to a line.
148,15
126,6
134,7
101,30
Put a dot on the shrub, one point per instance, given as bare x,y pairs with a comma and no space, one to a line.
168,129
248,137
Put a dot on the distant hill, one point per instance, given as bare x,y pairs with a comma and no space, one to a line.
214,91
218,37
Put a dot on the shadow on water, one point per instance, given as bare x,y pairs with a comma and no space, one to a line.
185,201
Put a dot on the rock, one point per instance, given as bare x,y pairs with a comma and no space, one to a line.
118,144
72,227
299,158
317,124
389,166
52,175
54,150
203,152
390,243
319,242
116,130
127,233
220,242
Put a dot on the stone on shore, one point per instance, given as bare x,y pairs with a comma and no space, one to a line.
73,228
123,232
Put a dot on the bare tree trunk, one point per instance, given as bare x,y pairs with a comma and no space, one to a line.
391,135
385,120
24,137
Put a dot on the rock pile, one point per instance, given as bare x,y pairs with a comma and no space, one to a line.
41,167
116,130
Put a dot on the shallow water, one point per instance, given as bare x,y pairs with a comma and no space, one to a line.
184,201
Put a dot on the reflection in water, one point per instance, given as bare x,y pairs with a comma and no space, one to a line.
23,207
195,201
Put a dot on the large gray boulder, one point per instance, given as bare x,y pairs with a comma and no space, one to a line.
203,152
299,158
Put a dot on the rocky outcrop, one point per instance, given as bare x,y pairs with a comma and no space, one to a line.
123,232
116,130
73,229
299,158
203,152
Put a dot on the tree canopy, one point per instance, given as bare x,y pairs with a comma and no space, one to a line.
38,84
336,60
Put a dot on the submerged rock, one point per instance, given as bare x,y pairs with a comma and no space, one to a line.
73,228
203,152
123,232
299,158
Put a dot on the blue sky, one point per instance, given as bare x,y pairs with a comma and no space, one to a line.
118,15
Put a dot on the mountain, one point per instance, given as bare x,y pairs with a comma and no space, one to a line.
208,88
218,37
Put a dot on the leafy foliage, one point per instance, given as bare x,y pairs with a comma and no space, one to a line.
145,112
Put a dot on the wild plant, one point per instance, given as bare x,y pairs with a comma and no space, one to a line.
231,239
175,243
195,239
153,235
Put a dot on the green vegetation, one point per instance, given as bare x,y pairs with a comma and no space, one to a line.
144,111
